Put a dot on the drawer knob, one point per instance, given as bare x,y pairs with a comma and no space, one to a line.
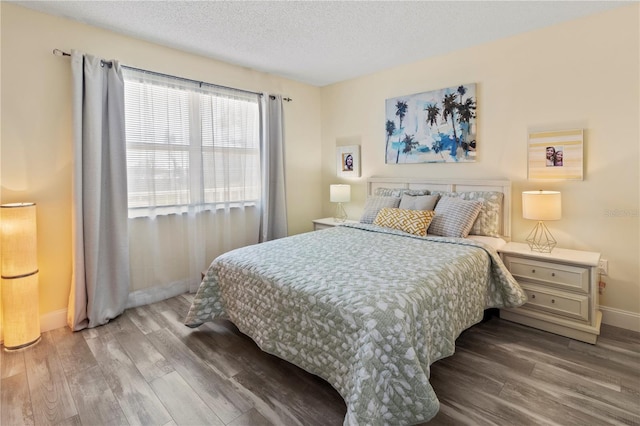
553,274
553,300
533,271
533,296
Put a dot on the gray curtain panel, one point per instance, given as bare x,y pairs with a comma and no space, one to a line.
100,278
273,224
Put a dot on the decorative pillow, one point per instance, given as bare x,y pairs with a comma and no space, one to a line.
418,202
454,217
397,192
373,205
414,222
489,220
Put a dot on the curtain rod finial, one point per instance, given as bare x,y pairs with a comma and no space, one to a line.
59,52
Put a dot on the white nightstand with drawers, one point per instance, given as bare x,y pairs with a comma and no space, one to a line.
562,290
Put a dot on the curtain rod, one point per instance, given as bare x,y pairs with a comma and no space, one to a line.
59,52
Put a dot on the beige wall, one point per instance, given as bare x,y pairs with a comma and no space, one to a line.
36,133
581,74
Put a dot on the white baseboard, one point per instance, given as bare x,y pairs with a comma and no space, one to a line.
620,318
53,320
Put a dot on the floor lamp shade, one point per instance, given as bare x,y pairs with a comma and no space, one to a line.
20,311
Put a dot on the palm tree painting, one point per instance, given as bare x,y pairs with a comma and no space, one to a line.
432,127
391,127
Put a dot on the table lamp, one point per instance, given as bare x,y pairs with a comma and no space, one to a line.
20,312
541,206
340,194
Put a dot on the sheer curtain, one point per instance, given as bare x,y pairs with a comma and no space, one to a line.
100,270
193,159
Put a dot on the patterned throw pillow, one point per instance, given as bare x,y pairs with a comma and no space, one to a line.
418,202
373,205
489,221
414,222
454,217
397,192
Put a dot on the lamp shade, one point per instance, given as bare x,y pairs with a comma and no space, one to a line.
20,312
19,240
340,193
541,205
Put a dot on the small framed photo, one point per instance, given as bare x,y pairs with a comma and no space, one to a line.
556,155
348,161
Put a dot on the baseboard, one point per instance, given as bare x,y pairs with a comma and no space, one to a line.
53,320
157,293
620,318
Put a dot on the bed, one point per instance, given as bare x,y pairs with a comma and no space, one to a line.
366,307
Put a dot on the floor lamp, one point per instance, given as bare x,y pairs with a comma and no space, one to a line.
20,311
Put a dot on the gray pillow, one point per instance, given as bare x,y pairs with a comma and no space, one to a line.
418,202
454,217
489,221
374,204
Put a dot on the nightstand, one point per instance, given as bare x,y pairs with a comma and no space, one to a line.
329,222
562,290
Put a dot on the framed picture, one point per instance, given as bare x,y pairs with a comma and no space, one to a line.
432,127
348,161
555,155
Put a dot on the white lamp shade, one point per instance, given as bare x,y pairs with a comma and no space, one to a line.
541,205
20,311
340,193
19,240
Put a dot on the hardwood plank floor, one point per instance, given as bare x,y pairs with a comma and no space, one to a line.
146,367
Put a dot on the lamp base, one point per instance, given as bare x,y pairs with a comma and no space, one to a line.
340,215
23,346
540,239
20,312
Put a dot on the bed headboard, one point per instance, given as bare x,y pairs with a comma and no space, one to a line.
453,185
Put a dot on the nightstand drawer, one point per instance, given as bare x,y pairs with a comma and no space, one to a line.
564,304
556,275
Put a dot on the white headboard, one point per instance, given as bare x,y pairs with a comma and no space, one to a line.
453,185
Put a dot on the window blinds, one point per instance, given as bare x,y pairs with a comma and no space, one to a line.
189,145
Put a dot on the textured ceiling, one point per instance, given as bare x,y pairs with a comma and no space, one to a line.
319,42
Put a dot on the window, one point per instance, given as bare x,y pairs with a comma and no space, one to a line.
189,145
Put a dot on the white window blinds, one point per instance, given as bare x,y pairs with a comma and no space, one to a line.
189,145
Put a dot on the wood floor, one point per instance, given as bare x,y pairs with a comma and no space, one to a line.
146,368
